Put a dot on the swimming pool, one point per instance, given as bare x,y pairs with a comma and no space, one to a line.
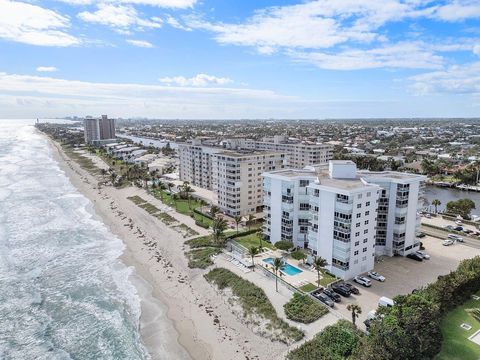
287,268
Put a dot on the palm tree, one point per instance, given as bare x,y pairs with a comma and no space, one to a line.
170,185
355,310
214,210
219,225
259,234
319,263
436,203
238,220
250,220
104,172
277,265
252,251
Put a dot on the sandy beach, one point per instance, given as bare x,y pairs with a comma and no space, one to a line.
182,315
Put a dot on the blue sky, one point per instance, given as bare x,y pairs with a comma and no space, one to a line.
240,59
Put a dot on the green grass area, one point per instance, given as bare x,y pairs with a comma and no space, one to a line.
180,205
201,258
166,218
254,302
445,178
136,199
84,162
203,219
308,287
201,241
335,342
253,240
302,308
455,344
326,279
151,209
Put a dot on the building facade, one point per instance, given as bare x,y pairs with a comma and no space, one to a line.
96,129
343,210
398,218
237,179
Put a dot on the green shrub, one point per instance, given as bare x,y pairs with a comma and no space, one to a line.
201,224
335,342
253,300
298,255
201,258
202,241
302,308
283,245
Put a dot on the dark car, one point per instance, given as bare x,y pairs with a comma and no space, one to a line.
468,231
458,228
352,288
324,298
421,235
332,295
342,290
415,256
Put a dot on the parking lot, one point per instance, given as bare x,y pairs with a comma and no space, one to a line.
403,275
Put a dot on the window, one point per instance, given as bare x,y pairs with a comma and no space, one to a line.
369,194
359,196
356,252
367,213
357,224
359,206
365,231
358,215
357,243
357,234
365,240
366,222
367,203
364,249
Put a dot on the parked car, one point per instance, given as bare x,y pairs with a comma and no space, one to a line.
468,231
458,228
324,298
458,222
362,280
447,242
421,235
415,256
449,227
384,301
428,216
376,276
455,237
423,254
332,295
342,290
352,288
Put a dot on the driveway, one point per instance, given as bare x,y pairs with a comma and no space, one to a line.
403,275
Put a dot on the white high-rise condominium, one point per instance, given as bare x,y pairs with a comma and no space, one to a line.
287,205
298,154
340,206
91,129
342,229
237,179
398,218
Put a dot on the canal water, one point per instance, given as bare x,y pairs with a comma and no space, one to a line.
147,141
447,194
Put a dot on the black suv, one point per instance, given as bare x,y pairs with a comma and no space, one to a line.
415,256
352,288
332,294
342,290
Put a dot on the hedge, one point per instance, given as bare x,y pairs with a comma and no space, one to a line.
240,234
208,216
201,224
302,308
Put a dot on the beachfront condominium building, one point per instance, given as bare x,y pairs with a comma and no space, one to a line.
237,179
97,129
398,217
344,211
298,154
287,205
196,163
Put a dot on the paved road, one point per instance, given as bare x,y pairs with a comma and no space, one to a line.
441,234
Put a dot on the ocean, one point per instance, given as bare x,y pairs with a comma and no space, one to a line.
64,293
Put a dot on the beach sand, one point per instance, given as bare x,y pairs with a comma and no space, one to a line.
182,315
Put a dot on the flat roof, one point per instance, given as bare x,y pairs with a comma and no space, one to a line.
390,175
292,173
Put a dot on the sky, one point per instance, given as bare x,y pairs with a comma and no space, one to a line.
225,59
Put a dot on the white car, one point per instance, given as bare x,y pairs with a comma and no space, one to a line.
423,254
455,237
447,242
362,280
376,276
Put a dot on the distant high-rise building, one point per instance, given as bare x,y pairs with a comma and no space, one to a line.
98,129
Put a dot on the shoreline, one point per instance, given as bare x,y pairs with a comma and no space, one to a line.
181,313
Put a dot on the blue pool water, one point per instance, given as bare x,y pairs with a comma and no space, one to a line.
287,268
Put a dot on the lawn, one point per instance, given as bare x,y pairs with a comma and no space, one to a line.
326,279
308,287
180,205
302,308
253,240
455,345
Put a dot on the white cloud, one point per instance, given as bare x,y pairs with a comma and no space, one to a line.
198,80
119,17
476,50
34,25
57,97
140,43
457,10
463,79
178,4
46,69
405,55
176,24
